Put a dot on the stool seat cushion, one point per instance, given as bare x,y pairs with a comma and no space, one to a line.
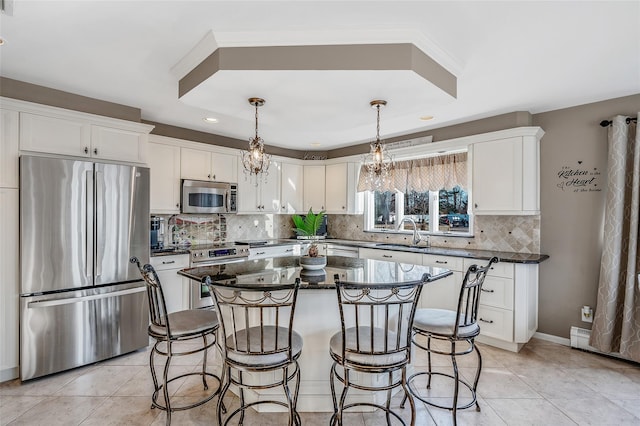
184,323
263,339
364,333
443,322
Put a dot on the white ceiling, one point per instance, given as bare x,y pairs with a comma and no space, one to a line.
507,56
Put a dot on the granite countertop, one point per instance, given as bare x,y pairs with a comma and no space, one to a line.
282,270
509,257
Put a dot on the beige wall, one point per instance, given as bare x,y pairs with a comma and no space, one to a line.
571,222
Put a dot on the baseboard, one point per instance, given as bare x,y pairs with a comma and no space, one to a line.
551,338
9,374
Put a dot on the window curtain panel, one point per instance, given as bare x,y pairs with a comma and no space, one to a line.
425,174
616,325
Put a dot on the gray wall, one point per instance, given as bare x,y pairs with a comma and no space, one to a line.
571,222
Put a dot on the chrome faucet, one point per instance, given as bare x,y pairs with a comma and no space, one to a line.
416,234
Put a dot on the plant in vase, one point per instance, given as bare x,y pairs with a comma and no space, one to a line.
308,228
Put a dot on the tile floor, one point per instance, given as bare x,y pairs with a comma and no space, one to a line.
544,384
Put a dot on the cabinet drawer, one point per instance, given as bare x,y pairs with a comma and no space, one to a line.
497,292
277,251
449,262
178,261
496,322
391,256
500,269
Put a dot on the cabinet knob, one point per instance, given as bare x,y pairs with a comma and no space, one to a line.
177,206
209,176
214,177
86,150
283,207
476,205
95,151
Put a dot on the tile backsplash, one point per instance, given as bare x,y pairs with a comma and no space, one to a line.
519,234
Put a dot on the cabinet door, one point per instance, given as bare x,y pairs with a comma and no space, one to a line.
8,148
336,188
314,188
224,168
497,189
109,143
442,293
270,190
54,135
292,188
9,283
164,162
195,164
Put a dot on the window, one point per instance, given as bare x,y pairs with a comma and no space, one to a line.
433,211
444,211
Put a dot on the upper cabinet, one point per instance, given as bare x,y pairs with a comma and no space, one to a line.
164,162
77,134
262,196
314,188
8,148
207,165
341,181
506,176
291,186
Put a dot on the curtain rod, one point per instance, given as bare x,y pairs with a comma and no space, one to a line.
605,123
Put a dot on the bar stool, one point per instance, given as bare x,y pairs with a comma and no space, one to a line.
258,337
170,328
375,338
452,327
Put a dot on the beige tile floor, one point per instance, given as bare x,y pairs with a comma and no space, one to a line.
544,384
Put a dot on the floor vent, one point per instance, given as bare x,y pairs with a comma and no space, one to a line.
580,340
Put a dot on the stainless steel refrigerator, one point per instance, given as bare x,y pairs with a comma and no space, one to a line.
81,301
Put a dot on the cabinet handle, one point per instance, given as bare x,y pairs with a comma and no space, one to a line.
168,263
488,291
95,151
442,262
261,252
283,207
488,322
387,256
86,150
288,250
343,207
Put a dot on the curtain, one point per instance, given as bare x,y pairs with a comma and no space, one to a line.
425,174
616,325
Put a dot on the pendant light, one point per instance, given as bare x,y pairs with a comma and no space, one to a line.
255,160
378,163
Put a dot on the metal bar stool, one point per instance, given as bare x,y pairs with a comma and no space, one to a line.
258,337
168,329
375,338
452,327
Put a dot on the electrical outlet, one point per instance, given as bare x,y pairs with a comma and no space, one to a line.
587,314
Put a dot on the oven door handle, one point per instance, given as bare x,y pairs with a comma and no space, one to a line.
220,262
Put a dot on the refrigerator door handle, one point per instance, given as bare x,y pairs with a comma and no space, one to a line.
99,219
70,300
88,224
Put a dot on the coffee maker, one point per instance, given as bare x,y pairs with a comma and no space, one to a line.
157,232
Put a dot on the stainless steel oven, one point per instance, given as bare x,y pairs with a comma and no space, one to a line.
219,255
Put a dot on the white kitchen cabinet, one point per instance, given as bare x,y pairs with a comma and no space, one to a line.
8,148
314,188
199,164
270,252
76,135
341,181
164,163
292,178
391,255
443,293
9,284
174,287
506,176
262,196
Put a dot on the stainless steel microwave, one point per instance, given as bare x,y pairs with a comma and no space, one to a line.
209,197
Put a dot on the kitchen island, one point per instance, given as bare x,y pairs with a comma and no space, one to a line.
317,317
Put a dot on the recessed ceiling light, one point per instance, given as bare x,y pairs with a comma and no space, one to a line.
210,119
2,41
315,143
426,117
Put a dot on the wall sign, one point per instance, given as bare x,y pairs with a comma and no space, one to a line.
579,178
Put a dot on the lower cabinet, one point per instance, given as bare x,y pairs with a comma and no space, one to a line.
9,284
174,287
443,293
274,251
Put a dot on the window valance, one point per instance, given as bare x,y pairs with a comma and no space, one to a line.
425,174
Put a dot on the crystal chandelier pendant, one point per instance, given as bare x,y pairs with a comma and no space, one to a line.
378,163
256,162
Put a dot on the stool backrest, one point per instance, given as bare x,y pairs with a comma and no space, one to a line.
157,307
263,309
469,299
376,319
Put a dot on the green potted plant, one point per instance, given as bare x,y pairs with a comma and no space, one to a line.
307,228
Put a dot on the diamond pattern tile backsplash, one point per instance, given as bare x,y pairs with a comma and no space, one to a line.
520,234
